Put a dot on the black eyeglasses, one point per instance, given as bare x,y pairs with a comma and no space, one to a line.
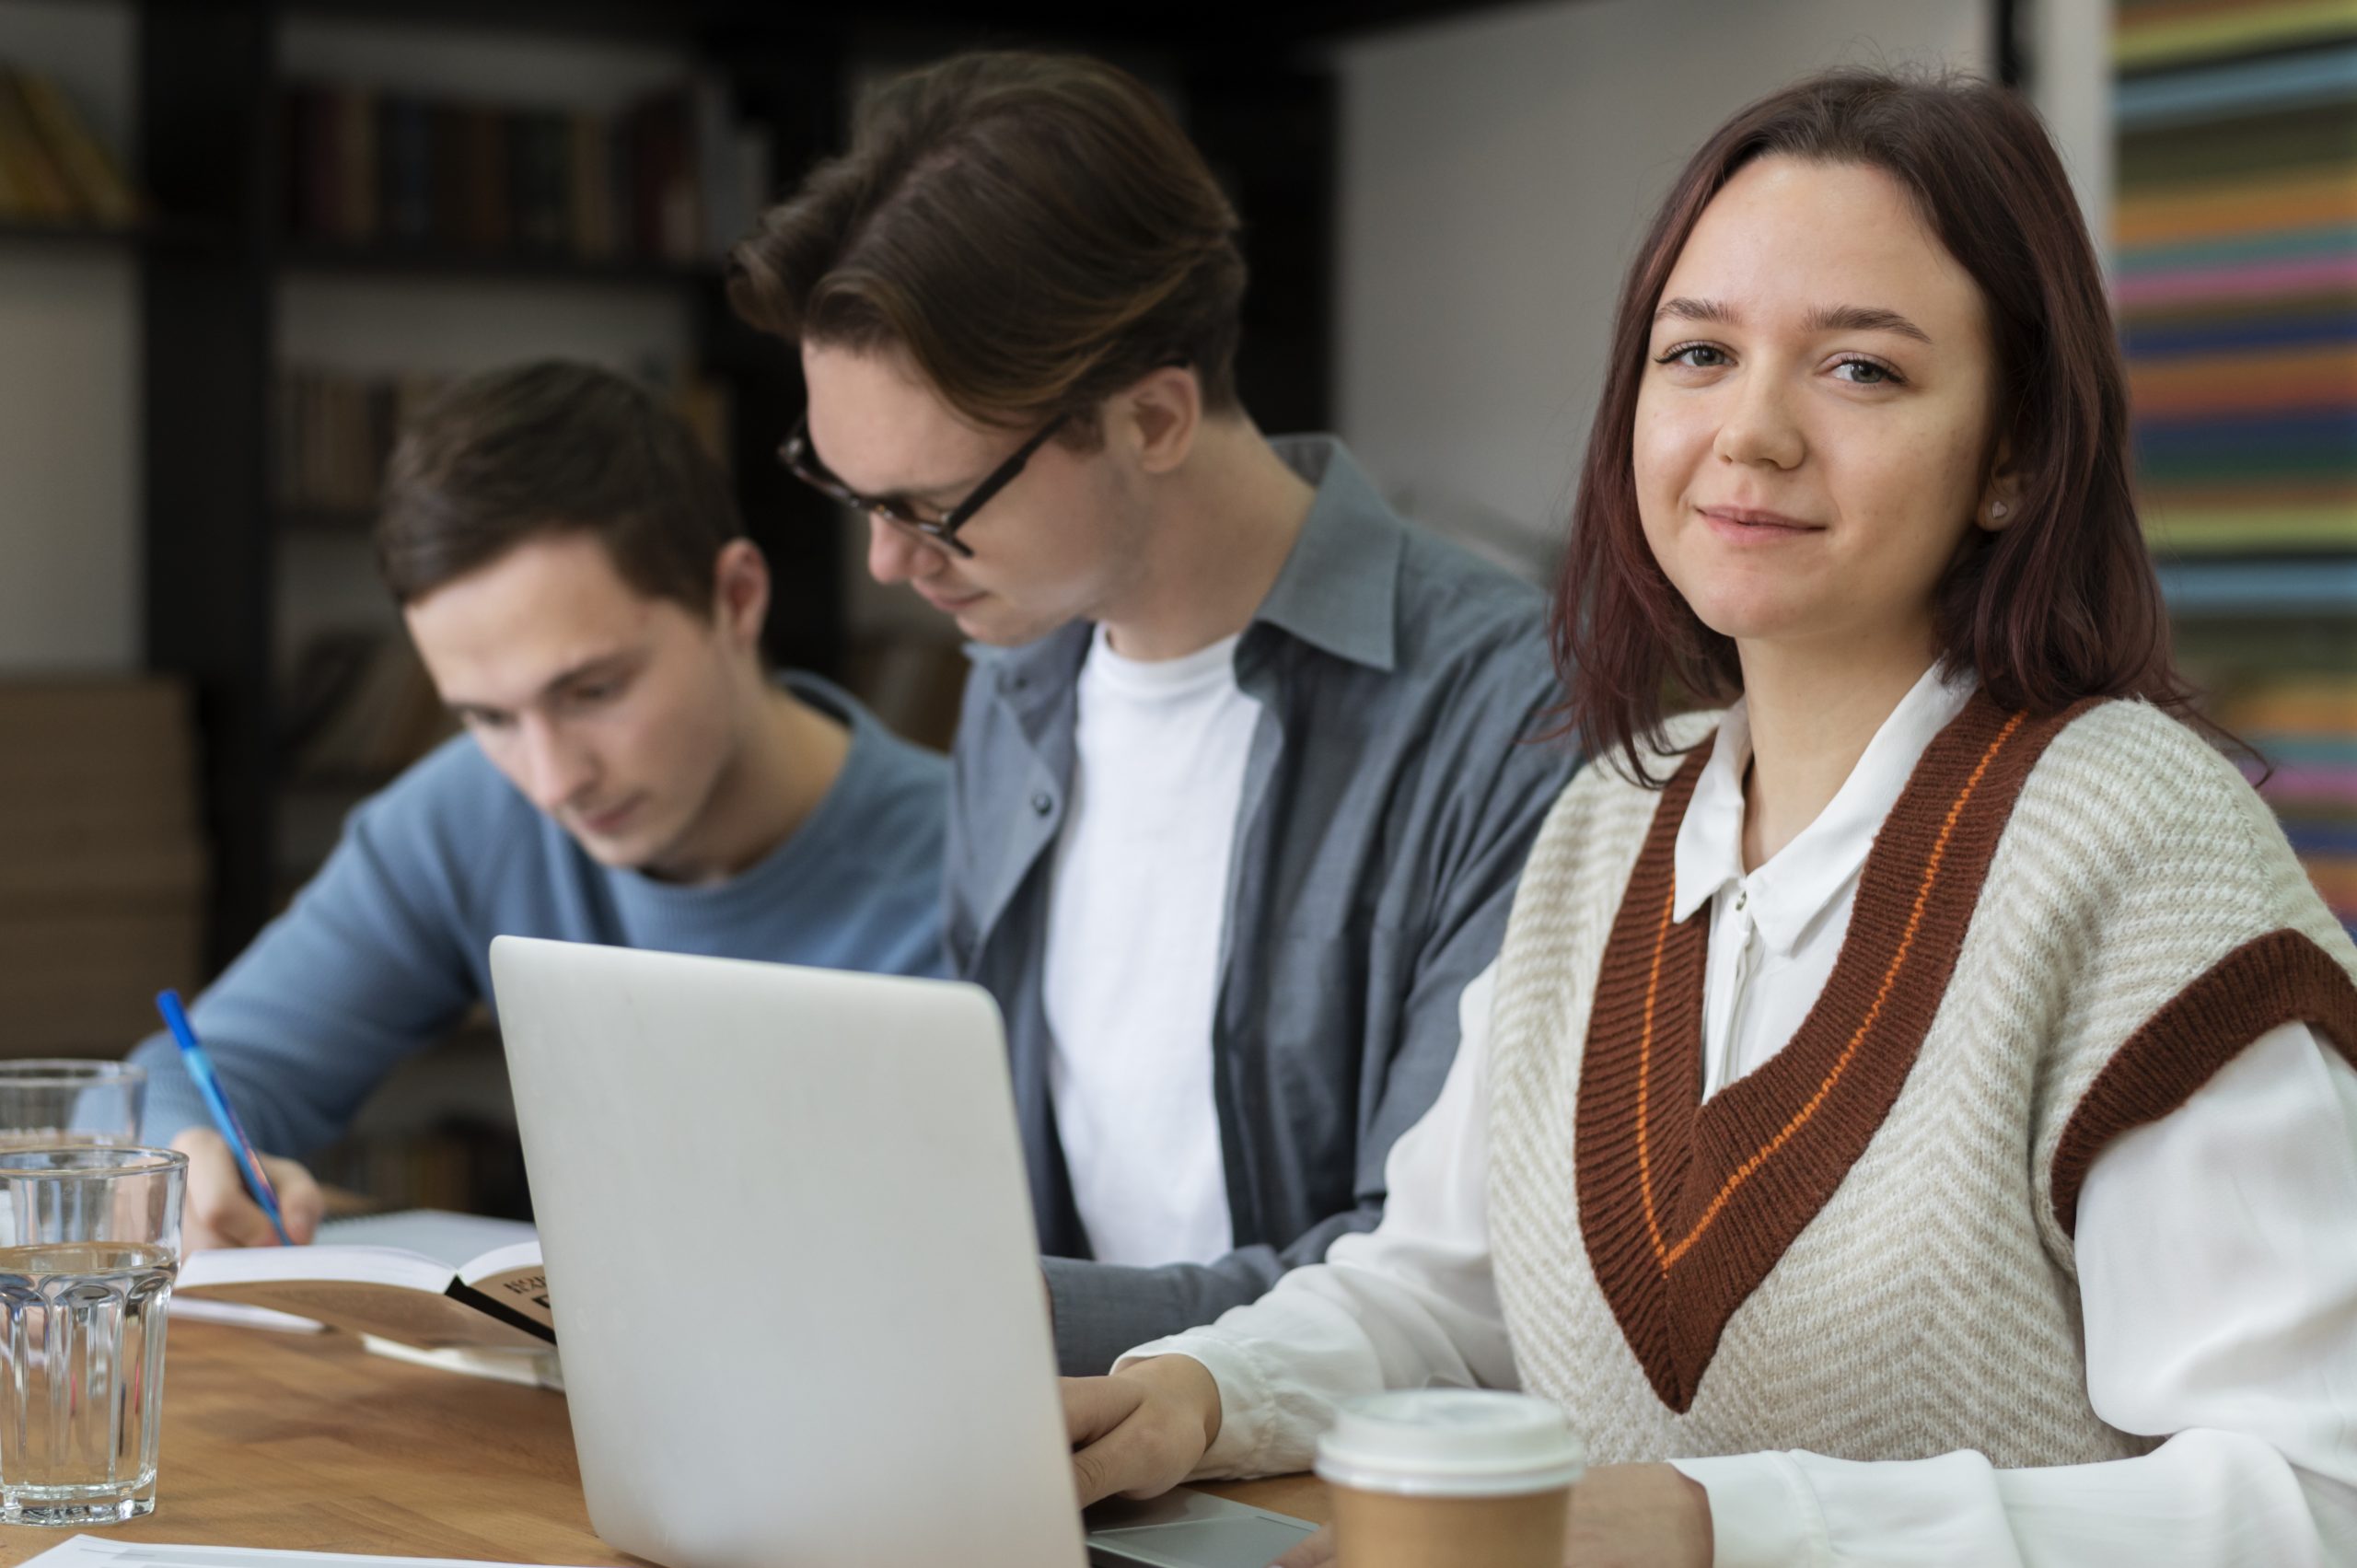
803,461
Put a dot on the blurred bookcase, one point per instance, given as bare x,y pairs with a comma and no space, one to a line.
329,203
2235,258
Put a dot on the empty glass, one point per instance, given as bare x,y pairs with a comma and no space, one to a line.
49,1104
90,1244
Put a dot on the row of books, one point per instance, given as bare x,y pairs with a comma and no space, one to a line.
52,170
333,431
674,178
2236,260
2305,727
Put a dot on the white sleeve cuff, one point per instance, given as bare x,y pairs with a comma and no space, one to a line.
1763,1513
1244,1401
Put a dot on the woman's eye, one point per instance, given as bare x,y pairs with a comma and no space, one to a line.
1868,372
1695,356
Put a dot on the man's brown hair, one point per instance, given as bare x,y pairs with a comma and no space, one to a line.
1034,231
553,448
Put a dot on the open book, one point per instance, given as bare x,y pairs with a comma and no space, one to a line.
424,1278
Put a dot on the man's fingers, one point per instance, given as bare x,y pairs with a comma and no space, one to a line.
218,1210
239,1221
300,1202
1314,1552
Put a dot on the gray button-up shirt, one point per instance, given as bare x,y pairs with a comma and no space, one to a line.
1393,785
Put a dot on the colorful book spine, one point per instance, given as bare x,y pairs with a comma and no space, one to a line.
2236,270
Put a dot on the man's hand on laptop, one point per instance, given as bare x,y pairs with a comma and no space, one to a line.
1142,1431
219,1212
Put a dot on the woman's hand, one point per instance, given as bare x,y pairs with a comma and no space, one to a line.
1142,1431
1639,1516
1623,1516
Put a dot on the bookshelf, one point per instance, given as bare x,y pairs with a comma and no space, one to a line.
2233,259
218,84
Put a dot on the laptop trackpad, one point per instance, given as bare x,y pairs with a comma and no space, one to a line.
1189,1529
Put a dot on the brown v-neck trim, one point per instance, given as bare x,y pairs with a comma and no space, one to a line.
1684,1206
2279,978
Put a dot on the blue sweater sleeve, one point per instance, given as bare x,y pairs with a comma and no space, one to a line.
369,964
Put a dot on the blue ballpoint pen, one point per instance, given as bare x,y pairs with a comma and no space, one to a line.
200,1068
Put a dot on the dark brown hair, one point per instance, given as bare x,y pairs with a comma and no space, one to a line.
553,448
2061,604
1033,230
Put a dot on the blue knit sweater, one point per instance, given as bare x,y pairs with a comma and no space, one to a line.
388,945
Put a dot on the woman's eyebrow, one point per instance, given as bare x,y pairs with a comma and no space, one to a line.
1864,318
1684,310
1826,318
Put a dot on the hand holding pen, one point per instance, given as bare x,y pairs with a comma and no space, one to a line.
236,1195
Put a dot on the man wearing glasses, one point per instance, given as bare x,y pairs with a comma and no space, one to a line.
1246,764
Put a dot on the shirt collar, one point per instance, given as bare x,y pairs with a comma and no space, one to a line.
1340,589
1794,890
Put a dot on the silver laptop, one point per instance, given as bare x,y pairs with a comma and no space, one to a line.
795,1281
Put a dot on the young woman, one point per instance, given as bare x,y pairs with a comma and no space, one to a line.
1912,1119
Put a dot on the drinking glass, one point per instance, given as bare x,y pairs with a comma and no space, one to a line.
50,1103
89,1243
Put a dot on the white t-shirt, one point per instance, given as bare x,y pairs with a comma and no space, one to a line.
1136,911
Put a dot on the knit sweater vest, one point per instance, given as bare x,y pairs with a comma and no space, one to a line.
1863,1248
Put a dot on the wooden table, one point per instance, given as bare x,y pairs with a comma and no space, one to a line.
306,1442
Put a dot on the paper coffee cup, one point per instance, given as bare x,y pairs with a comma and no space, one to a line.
1462,1476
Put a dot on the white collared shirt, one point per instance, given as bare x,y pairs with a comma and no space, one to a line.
1776,931
2237,1339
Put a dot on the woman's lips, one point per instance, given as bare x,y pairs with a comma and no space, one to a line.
1752,524
948,604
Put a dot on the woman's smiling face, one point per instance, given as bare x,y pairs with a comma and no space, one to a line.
1813,433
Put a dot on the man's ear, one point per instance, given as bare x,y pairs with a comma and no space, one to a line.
740,598
1160,416
2000,495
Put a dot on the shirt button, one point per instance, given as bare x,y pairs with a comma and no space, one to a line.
1042,803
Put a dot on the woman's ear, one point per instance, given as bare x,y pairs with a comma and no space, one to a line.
2000,499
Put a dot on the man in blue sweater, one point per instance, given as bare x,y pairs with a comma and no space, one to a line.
575,576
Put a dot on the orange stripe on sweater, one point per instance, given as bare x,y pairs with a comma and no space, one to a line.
1644,1064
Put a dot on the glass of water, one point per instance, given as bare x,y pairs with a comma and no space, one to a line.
89,1243
49,1104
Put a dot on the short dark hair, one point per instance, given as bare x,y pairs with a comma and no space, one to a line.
1033,230
551,447
2061,605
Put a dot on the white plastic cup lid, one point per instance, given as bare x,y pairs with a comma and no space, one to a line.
1450,1443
